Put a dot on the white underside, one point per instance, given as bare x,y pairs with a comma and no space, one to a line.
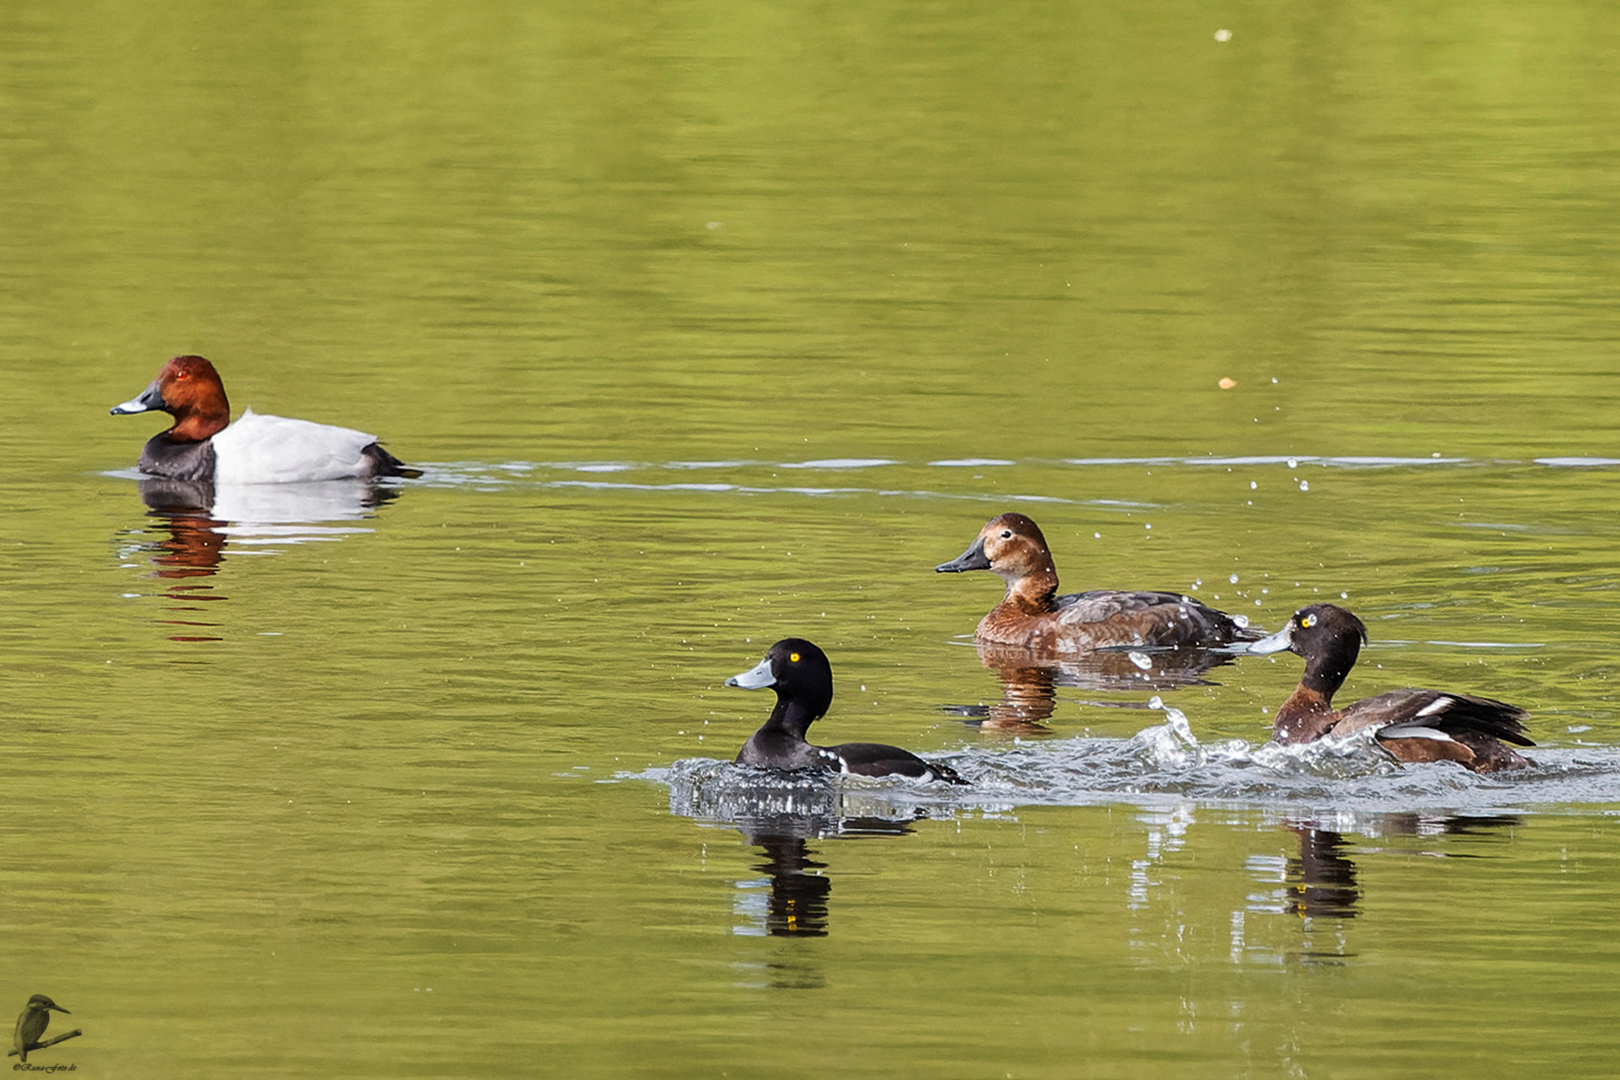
275,450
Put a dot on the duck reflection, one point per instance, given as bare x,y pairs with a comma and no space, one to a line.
199,519
796,890
1320,884
1030,679
1322,878
785,815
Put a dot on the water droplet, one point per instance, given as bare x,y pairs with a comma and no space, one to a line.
1304,485
1233,579
1141,660
1254,485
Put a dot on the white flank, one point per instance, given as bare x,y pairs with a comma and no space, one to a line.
1411,729
275,450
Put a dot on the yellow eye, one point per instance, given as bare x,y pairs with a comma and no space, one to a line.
1308,621
794,657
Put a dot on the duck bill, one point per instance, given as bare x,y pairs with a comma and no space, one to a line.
756,678
971,559
149,399
1281,641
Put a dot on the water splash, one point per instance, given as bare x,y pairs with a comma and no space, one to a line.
1164,764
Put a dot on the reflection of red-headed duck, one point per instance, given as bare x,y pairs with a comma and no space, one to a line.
1412,725
1033,616
203,444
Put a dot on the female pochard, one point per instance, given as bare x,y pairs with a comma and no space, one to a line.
1412,725
204,445
1032,615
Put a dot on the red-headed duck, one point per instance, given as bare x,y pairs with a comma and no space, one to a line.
203,444
1033,616
802,678
1412,725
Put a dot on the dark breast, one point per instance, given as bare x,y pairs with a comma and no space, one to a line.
771,749
164,457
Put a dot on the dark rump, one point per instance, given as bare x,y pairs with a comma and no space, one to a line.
385,464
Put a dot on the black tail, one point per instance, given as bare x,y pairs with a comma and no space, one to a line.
385,464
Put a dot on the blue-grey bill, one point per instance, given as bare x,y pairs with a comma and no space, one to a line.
1273,643
756,678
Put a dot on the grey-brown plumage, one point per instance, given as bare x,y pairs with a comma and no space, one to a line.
33,1022
1033,616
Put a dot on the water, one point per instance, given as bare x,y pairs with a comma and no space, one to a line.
711,327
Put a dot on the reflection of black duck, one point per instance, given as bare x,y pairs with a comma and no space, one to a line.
799,890
799,894
801,675
1411,725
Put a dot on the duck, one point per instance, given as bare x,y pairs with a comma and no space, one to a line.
203,444
1411,725
32,1022
801,675
1033,616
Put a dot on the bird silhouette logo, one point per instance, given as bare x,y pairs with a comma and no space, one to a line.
32,1024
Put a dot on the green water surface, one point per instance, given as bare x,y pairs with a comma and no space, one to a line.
713,323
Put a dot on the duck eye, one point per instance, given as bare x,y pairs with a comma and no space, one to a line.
1006,534
793,657
1308,621
182,374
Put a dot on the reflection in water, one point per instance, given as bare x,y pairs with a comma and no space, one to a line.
1029,680
200,518
1319,885
780,813
1322,879
797,890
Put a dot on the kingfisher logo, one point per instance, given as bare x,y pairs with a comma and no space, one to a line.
29,1036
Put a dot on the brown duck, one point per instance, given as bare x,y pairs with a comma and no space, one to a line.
1412,725
1034,616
